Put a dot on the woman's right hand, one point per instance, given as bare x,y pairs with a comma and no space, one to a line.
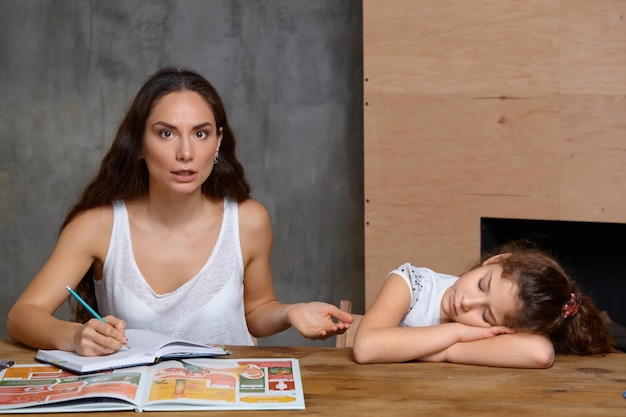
96,338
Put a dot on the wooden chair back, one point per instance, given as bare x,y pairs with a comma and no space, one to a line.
347,339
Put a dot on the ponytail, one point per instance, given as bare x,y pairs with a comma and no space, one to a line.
582,333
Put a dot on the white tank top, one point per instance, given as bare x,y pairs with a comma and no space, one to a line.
207,309
427,288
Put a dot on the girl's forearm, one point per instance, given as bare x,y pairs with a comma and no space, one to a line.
518,350
401,344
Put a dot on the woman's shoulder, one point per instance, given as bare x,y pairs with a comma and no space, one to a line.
90,231
253,216
252,209
93,220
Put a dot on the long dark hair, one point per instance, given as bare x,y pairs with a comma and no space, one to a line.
544,288
124,176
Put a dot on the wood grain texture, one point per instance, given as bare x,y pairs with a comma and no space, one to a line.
593,47
592,173
487,48
436,164
496,108
336,386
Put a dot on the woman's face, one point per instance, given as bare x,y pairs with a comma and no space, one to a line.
180,142
481,297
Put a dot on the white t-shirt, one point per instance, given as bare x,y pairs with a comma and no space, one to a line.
426,287
208,308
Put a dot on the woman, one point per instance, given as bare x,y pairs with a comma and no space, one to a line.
166,238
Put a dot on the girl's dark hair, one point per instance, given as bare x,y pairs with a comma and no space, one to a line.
124,176
543,289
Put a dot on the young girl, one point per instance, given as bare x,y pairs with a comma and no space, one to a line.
513,309
166,238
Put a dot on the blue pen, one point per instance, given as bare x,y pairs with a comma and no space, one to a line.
87,306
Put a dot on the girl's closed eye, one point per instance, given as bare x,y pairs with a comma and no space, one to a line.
485,317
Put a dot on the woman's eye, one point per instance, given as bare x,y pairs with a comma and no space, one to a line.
202,134
165,134
480,284
485,317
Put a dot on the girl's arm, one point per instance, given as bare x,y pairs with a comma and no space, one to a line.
264,313
31,319
518,350
379,339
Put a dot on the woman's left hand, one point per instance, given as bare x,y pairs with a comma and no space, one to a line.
317,320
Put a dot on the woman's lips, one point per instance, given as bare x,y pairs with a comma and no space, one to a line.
185,175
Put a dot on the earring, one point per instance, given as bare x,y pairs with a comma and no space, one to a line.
215,159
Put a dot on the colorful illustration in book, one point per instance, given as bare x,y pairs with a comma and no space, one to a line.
240,379
189,384
41,384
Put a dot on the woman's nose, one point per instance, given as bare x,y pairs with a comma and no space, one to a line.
185,152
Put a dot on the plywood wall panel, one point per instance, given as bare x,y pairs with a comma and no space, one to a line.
436,164
420,235
511,109
459,47
476,147
593,47
593,158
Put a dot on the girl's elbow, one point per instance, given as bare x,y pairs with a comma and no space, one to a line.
362,352
547,360
544,355
358,354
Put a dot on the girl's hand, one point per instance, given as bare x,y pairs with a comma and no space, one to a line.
95,338
317,320
470,333
467,333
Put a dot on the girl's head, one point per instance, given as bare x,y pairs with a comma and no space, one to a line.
481,297
551,303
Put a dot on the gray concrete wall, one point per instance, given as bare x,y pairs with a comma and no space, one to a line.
290,74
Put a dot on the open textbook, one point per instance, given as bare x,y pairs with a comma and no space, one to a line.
146,348
173,385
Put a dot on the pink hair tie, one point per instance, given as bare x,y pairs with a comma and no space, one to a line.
570,308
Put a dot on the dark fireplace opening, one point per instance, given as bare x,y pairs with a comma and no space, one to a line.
592,253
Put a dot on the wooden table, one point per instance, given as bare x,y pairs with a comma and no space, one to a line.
336,386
